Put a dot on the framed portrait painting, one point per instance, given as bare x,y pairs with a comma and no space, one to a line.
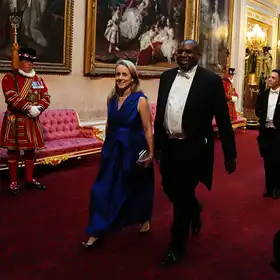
45,25
278,44
144,31
214,33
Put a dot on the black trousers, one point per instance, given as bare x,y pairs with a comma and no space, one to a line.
271,168
271,156
179,171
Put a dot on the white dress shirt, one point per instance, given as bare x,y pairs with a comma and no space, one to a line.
272,101
176,101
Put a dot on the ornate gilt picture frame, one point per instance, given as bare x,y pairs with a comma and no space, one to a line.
143,31
214,32
46,26
278,44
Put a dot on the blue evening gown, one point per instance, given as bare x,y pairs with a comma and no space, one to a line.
123,191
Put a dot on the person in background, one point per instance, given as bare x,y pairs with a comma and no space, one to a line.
231,94
268,112
123,191
27,97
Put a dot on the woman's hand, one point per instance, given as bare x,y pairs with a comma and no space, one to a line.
146,117
145,162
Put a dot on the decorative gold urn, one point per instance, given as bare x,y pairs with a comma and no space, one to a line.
252,79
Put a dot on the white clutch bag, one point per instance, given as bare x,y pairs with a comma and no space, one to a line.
142,156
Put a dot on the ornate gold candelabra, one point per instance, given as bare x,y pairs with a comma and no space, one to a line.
15,22
256,41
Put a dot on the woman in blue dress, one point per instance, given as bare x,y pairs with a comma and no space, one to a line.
123,191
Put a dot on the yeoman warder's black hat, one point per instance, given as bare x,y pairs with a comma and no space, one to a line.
27,54
231,71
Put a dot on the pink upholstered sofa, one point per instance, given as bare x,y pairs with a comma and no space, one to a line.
64,138
239,123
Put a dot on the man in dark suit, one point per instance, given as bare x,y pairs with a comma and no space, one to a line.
188,98
268,112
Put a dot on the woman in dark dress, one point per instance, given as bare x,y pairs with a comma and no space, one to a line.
123,191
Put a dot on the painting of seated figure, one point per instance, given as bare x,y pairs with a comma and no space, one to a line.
144,31
214,33
45,25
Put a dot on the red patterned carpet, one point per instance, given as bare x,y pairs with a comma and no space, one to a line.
41,232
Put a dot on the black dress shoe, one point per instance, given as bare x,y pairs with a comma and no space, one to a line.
276,193
171,258
196,222
14,188
36,185
275,266
268,194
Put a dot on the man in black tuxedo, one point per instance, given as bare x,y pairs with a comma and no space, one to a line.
188,98
268,112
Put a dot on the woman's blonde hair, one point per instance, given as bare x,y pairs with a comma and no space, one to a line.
133,72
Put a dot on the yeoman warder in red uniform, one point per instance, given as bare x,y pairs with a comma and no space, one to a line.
27,97
231,93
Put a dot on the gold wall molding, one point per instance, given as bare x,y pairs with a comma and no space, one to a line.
93,68
267,18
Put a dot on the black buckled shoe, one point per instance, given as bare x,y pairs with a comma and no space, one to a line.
196,224
35,184
268,194
14,188
196,221
172,257
276,193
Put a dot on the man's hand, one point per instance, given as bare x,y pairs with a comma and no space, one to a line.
34,111
230,166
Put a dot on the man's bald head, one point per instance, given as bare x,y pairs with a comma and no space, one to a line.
188,54
192,43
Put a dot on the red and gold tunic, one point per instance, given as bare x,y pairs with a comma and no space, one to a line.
230,92
19,130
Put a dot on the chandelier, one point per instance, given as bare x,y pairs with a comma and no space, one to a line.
256,38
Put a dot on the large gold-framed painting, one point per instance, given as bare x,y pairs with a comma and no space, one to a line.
46,25
144,31
278,44
214,33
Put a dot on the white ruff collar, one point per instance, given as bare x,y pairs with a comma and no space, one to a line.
28,75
